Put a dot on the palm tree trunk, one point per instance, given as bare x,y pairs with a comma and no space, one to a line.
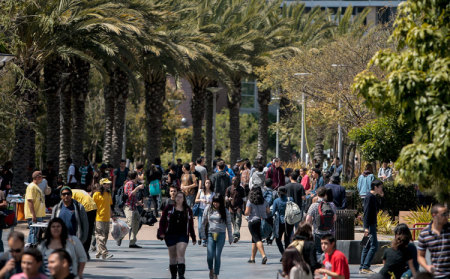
53,86
109,117
199,85
24,150
80,89
234,103
209,115
155,94
119,115
65,123
285,146
263,124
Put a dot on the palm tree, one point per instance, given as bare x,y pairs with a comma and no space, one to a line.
121,95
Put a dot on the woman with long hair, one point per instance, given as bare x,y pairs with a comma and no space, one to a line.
204,198
153,176
397,258
219,221
57,237
256,210
304,242
294,266
279,209
175,227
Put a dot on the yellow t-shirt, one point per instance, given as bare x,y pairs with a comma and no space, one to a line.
85,199
104,203
34,193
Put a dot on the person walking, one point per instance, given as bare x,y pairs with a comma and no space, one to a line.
338,192
204,198
221,179
305,181
258,177
71,174
296,191
103,200
59,263
34,205
371,207
57,237
90,207
364,182
73,214
322,215
188,184
175,227
31,264
276,173
436,238
256,209
304,243
218,220
279,210
131,189
234,197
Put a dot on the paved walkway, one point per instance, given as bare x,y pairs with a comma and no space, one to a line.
152,262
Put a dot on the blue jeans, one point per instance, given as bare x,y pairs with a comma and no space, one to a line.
200,219
190,200
369,250
215,250
32,236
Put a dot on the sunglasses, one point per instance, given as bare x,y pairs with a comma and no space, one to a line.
15,250
66,194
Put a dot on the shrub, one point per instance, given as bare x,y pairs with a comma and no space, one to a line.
385,225
421,215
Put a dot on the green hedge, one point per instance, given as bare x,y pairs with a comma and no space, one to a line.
396,198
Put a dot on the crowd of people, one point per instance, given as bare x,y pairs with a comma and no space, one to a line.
295,207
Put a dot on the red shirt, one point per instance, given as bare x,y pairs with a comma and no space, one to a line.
305,182
338,262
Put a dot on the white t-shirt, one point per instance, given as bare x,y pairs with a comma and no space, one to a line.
70,172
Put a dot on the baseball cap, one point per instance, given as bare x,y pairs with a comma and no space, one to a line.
105,181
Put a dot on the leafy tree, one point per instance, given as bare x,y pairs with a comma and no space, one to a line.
381,139
417,84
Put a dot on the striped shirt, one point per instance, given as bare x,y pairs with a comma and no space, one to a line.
439,247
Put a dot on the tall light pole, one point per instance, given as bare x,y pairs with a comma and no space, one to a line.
303,133
339,108
277,142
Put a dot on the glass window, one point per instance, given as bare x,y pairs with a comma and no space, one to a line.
248,93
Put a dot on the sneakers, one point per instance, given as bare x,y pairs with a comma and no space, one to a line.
366,271
107,256
199,242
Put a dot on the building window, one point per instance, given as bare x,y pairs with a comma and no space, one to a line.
249,94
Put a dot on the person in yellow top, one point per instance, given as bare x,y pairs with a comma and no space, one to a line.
104,201
90,206
34,205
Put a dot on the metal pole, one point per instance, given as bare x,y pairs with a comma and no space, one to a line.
303,144
278,130
213,141
339,135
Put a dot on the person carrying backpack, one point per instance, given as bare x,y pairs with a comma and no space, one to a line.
279,208
322,215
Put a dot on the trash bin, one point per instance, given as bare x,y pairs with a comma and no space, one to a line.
345,224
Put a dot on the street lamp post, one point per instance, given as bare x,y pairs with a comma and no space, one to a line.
5,58
339,108
303,128
277,141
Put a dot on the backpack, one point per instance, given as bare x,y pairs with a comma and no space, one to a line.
293,213
326,216
121,198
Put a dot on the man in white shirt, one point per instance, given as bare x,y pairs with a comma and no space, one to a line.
385,172
71,179
202,170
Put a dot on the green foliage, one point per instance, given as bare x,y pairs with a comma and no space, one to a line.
381,139
417,84
421,215
385,225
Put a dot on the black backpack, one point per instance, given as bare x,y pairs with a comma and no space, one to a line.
121,198
326,216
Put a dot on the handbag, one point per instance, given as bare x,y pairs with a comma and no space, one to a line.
7,219
155,189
